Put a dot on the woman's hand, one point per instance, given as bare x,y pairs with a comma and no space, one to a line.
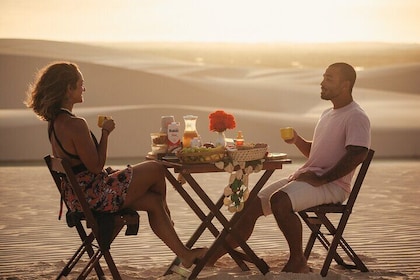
108,125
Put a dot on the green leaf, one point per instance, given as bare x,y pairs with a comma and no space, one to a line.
236,185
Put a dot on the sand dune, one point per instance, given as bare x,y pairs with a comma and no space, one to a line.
137,88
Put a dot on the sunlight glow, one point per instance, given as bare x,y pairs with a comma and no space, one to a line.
215,20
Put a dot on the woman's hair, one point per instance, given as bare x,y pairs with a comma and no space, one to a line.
48,92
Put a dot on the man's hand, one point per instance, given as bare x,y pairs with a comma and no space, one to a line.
311,178
353,157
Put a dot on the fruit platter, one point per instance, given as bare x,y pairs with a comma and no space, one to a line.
203,154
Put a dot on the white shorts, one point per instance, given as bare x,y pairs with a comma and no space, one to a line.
302,195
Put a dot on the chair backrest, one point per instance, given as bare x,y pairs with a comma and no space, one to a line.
60,169
359,179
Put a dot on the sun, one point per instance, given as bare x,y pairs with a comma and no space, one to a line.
249,21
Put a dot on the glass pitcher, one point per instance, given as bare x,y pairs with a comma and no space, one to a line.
190,131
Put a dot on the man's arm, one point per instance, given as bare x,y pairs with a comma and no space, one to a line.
353,157
303,145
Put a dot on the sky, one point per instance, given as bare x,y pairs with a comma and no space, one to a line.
251,21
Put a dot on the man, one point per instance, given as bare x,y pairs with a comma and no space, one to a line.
340,143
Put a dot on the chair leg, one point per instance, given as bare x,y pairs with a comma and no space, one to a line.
85,247
73,261
108,258
311,241
93,262
96,256
353,256
111,265
339,240
332,246
317,234
89,239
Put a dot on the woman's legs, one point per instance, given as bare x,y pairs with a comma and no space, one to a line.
245,227
147,192
148,176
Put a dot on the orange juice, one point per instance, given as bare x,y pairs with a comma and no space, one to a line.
101,119
287,133
188,137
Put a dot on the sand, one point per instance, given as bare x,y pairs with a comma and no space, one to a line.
383,229
265,88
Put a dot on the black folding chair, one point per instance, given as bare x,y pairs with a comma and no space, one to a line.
321,226
104,227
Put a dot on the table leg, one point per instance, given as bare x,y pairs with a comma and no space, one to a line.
228,226
206,222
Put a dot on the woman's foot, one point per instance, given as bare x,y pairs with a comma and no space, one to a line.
193,256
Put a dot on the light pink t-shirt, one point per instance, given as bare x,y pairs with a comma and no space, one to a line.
336,129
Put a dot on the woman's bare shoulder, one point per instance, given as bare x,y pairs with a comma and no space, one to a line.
76,123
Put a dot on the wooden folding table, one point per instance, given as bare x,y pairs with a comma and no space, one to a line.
187,171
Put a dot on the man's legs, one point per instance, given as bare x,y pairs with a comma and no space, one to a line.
291,226
259,207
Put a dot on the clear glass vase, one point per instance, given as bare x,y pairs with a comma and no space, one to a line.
221,139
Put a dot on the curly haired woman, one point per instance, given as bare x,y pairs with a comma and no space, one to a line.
142,187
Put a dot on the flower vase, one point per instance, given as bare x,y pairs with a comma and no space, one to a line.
220,140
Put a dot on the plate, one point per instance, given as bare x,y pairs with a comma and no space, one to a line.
171,158
276,155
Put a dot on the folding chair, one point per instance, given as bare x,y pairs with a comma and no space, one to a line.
316,217
104,226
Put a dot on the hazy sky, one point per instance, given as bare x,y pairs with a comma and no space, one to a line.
212,20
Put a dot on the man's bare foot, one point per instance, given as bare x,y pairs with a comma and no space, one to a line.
297,266
193,256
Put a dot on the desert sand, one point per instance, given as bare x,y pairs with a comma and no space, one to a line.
265,87
137,84
383,229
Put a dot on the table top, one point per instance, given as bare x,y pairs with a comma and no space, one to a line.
268,164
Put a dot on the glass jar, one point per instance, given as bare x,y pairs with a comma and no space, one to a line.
164,122
190,131
239,141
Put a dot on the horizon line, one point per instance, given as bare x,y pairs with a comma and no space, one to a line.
216,42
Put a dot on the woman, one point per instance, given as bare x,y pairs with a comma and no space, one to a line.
142,187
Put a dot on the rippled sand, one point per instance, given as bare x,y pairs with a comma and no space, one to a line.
383,229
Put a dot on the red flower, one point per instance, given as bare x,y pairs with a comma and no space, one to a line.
220,121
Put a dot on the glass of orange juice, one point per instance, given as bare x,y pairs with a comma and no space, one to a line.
101,119
287,133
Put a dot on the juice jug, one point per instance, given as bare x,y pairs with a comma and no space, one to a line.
190,131
174,137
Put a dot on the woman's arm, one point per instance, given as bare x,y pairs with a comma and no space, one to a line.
107,127
92,157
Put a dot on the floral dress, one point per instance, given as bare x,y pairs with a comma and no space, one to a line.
105,191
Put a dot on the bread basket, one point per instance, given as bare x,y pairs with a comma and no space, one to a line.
259,151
